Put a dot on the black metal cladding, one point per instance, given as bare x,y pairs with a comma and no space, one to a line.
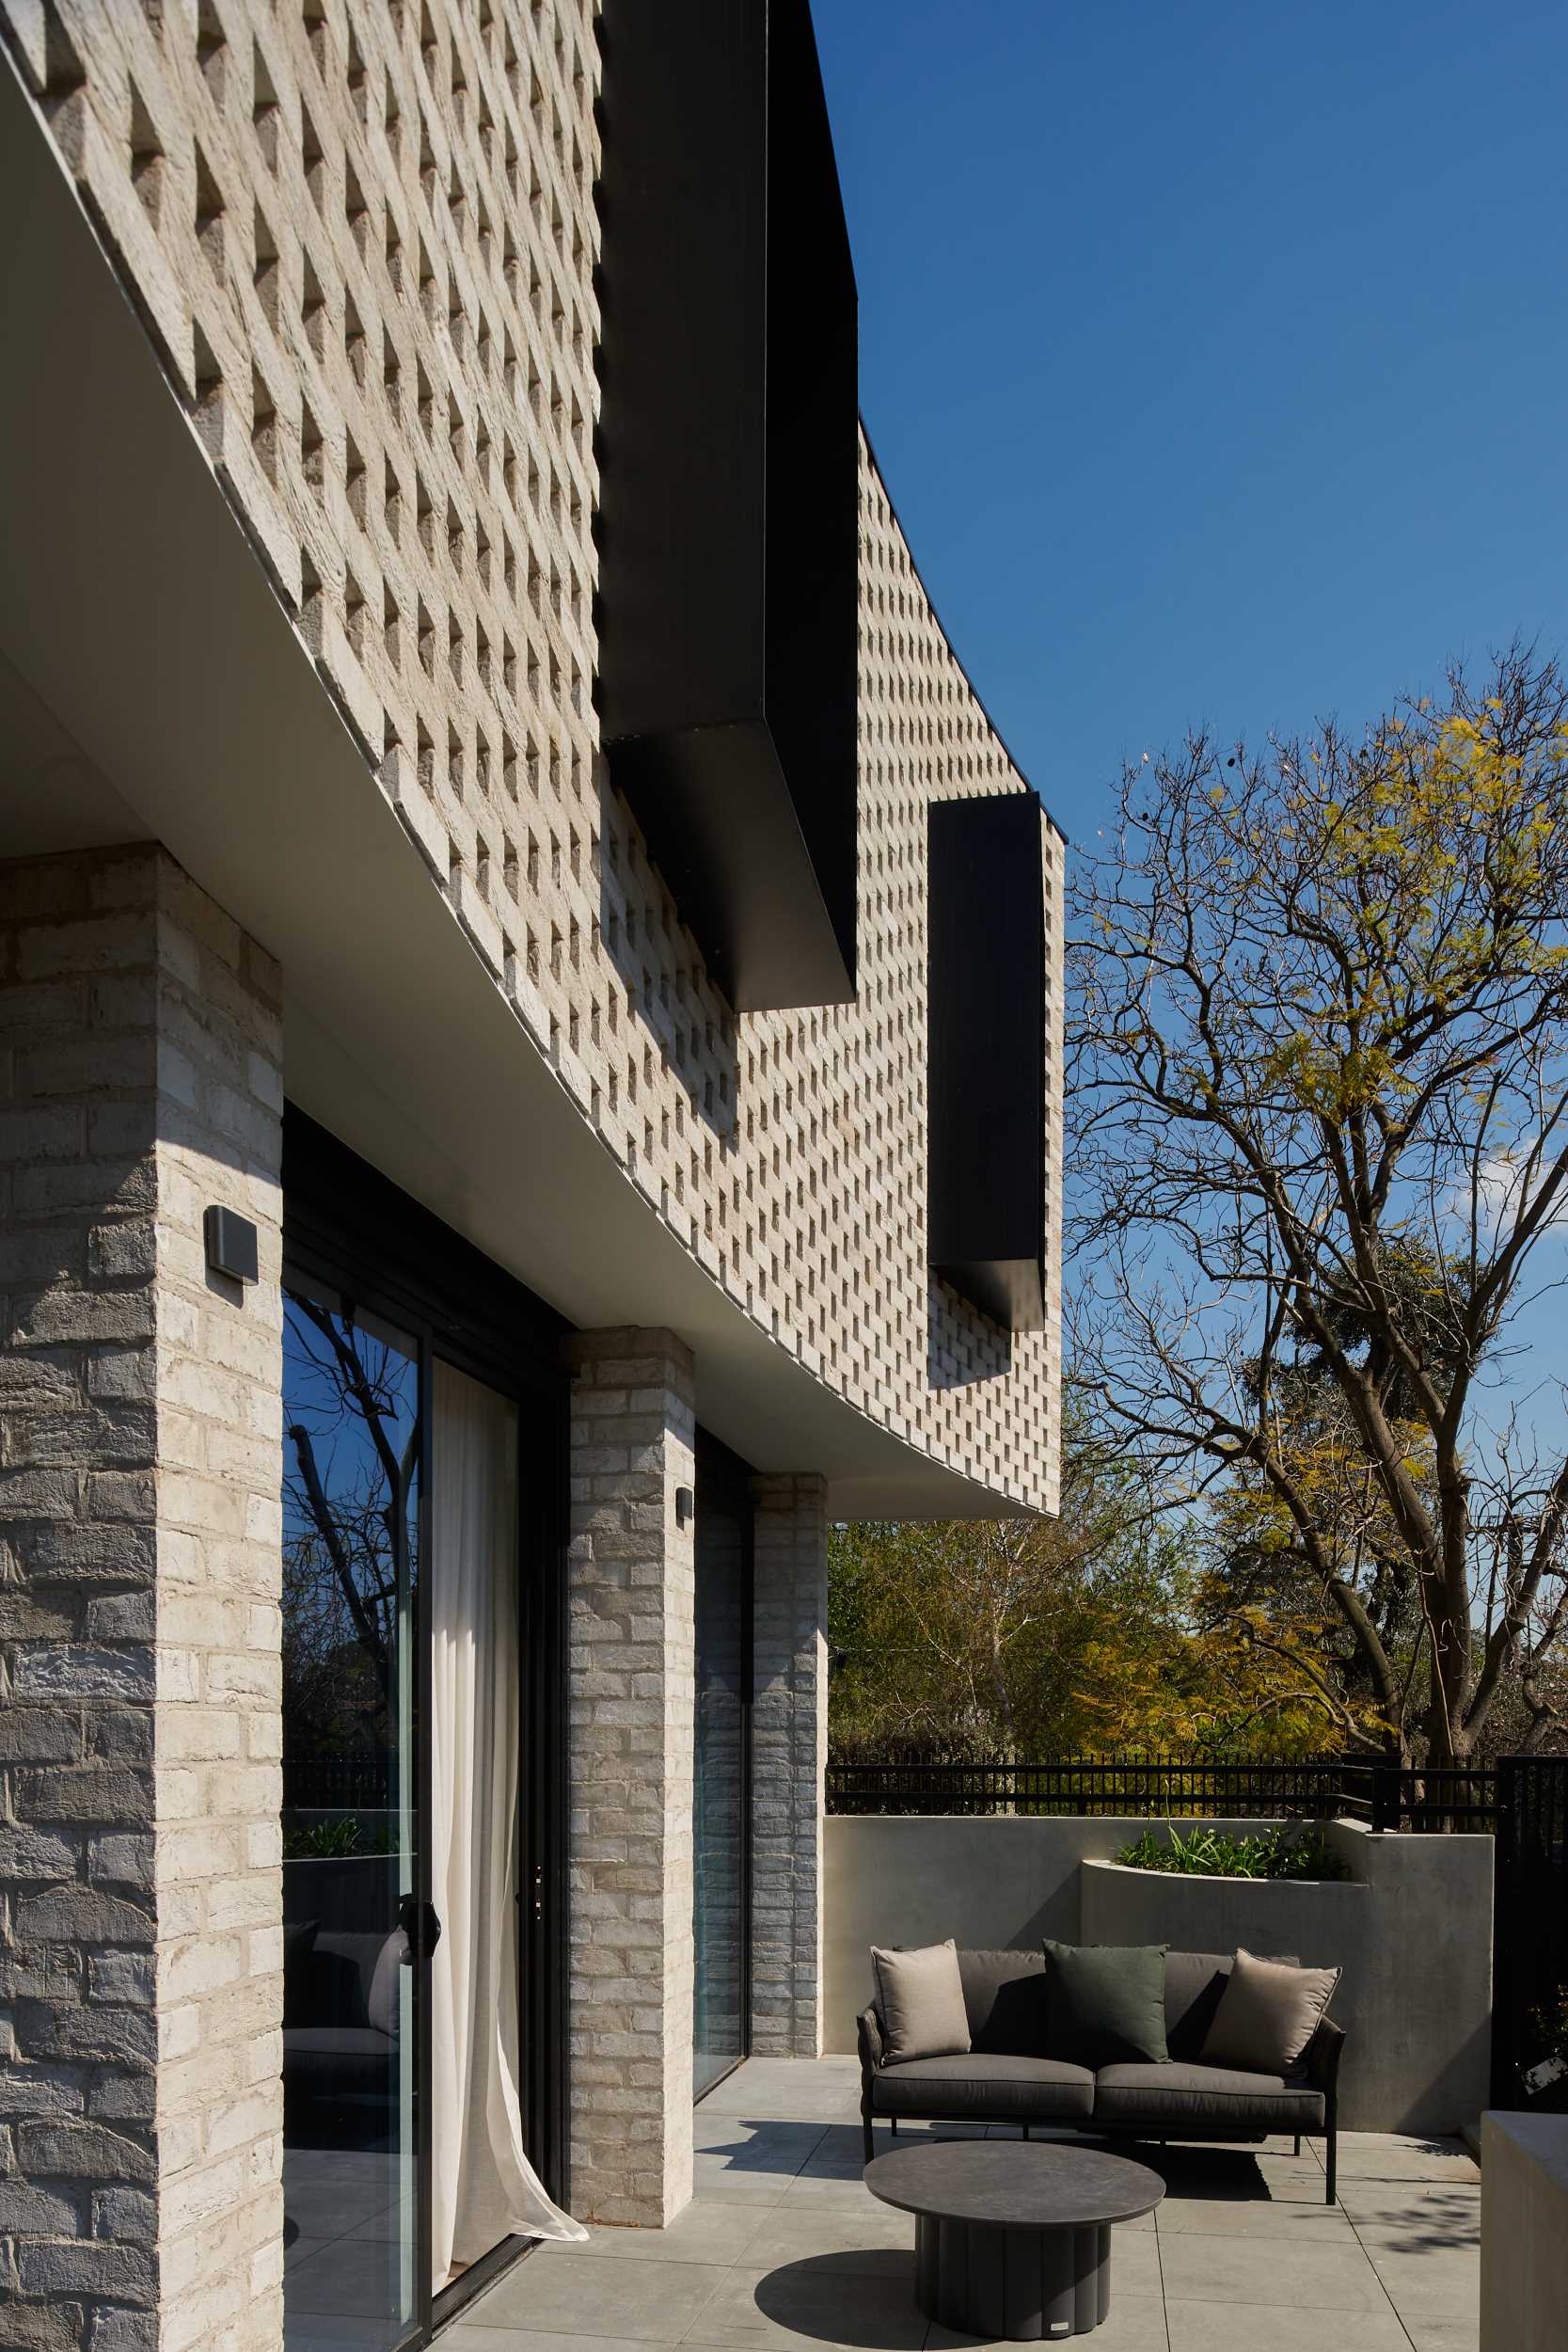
986,1054
728,524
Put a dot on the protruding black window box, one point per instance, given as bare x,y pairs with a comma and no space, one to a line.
985,1017
728,525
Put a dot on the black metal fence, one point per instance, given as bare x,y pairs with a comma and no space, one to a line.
1529,1997
1164,1788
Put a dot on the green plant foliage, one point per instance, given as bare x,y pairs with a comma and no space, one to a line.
332,1841
1280,1851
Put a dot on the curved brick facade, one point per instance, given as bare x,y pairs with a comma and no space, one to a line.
363,236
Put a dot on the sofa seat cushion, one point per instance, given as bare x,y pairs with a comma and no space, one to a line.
1205,2098
983,2088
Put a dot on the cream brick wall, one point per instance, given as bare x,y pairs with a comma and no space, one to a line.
140,1889
631,1737
363,234
789,1735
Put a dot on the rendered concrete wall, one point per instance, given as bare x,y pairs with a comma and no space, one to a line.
1524,2233
1417,2048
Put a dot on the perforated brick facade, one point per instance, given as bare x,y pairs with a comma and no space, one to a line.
363,234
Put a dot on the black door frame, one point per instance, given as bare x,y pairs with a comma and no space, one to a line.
350,1228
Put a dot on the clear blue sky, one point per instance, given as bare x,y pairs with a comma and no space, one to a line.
1216,354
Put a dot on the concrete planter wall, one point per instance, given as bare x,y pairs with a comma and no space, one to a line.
1411,1928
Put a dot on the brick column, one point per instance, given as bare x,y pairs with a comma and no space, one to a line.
789,1735
632,1731
140,1889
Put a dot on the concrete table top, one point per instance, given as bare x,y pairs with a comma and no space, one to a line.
1014,2184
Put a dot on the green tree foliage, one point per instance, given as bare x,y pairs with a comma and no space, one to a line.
1082,1635
1319,1089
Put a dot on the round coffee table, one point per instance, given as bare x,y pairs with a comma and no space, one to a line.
1013,2238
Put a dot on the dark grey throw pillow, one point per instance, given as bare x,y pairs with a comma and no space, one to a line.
1106,2003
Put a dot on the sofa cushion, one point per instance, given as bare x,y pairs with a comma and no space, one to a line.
1005,1997
920,1999
1195,1982
984,2088
1106,2002
1204,2098
1269,2014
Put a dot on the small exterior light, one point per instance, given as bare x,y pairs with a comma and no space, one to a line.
231,1245
685,1505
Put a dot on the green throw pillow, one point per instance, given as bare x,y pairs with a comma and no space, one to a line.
1106,2003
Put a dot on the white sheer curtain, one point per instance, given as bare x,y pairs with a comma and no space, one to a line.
485,2187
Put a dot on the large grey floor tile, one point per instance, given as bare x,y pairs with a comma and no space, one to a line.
465,2338
1437,2230
1134,2326
1134,2262
715,2176
811,2303
1217,2217
1269,2327
718,2130
795,2233
1302,2274
596,2295
832,2190
711,2230
1395,2156
1445,2284
1454,2334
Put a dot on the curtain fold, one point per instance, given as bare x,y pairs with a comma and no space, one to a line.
484,2188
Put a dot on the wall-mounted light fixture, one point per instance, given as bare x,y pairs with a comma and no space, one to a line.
231,1245
685,1505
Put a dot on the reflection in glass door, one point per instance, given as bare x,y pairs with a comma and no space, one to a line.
351,1518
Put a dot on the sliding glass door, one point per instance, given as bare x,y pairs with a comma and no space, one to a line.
423,1511
353,1437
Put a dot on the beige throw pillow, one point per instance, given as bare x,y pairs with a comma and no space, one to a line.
921,1997
1267,2016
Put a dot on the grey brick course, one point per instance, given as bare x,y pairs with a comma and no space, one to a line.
112,1330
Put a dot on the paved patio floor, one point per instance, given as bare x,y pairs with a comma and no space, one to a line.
783,2250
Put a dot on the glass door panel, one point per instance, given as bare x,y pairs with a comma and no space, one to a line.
350,1596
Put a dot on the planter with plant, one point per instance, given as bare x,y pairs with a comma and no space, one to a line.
1283,1850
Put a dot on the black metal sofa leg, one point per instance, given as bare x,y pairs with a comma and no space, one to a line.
866,2134
1331,2163
1297,2150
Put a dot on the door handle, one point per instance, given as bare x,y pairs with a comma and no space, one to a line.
420,1927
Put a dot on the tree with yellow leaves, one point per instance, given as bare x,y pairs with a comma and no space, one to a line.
1081,1635
1318,1088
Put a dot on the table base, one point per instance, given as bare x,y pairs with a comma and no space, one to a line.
1027,2286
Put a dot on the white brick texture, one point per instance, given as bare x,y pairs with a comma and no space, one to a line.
140,1890
789,1737
631,1711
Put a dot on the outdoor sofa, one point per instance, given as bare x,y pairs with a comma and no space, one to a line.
1008,2074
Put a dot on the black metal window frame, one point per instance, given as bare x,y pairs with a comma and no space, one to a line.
350,1230
718,1465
